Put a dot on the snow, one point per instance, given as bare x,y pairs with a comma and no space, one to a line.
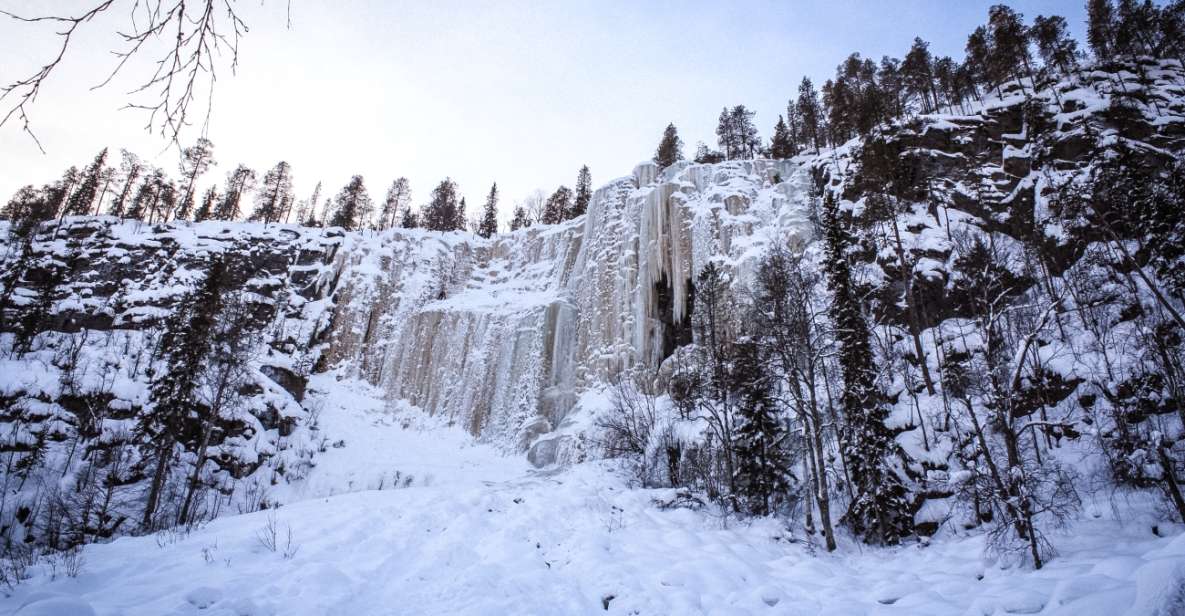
487,535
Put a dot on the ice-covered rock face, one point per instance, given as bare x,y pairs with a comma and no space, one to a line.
501,335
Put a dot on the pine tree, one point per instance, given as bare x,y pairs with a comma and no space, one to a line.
557,205
583,193
398,196
275,192
1100,28
489,218
309,218
195,160
888,76
27,209
351,205
781,146
130,169
521,219
1055,46
670,149
762,461
238,183
145,203
81,201
1009,40
879,512
916,71
978,52
206,209
944,80
736,134
166,203
185,344
62,191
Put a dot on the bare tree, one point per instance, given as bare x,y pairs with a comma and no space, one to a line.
789,313
202,35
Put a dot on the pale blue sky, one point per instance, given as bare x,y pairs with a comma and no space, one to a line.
518,92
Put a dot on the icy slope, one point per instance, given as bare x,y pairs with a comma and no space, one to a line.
581,542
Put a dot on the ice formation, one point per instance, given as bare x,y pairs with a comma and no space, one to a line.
501,335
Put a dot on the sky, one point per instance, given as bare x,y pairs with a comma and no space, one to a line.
518,92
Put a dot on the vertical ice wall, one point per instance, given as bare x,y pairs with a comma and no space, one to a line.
500,335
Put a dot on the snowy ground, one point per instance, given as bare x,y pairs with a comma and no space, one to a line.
479,533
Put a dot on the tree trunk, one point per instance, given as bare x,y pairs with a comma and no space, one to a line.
1170,481
911,308
164,452
195,477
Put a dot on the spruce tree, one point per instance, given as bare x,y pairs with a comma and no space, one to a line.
726,138
670,149
793,125
762,460
185,345
441,212
781,146
583,193
489,217
521,219
557,206
409,219
38,314
460,221
811,113
880,511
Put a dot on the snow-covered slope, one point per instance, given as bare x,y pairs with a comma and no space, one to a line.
474,532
